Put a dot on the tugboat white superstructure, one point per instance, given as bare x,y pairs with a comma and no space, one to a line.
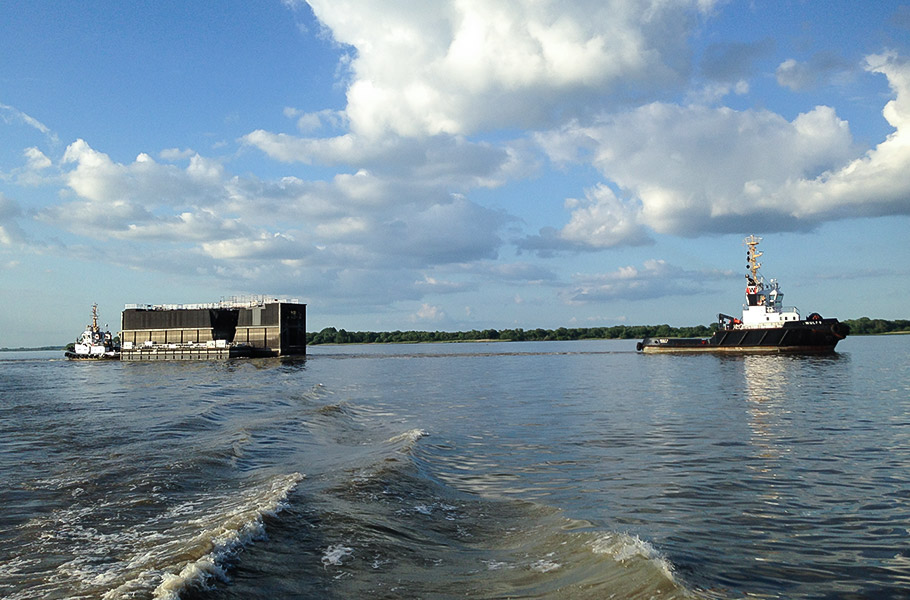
94,344
766,325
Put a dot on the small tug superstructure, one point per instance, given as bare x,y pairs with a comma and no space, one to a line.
766,325
94,344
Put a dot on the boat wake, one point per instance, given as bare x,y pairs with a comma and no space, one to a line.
379,517
187,546
392,529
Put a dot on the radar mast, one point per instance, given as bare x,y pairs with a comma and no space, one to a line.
752,255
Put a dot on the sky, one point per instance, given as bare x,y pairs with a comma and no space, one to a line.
451,164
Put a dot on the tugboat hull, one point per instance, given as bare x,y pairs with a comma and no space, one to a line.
817,336
105,356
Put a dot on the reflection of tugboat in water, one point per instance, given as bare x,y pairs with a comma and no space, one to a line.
766,325
94,344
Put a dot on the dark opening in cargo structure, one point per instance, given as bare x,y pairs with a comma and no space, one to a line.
221,330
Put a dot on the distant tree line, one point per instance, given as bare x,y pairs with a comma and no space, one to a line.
867,326
29,349
330,335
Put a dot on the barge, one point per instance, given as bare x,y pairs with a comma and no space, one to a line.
766,325
257,326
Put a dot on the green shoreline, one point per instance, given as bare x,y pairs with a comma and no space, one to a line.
37,349
330,335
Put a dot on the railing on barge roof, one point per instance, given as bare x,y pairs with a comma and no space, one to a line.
232,302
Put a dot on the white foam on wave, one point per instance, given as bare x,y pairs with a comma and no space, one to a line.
407,440
213,537
424,509
409,437
335,554
545,565
624,548
496,565
236,529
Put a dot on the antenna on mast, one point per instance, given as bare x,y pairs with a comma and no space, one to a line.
752,255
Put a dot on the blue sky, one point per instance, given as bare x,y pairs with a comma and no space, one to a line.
453,164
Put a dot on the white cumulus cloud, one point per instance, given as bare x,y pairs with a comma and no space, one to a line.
684,169
429,313
875,184
460,66
691,170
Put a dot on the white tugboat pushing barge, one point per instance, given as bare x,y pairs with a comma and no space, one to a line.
766,325
94,344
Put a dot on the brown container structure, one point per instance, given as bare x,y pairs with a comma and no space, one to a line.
221,330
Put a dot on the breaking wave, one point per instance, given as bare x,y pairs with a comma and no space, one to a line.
225,533
188,545
408,439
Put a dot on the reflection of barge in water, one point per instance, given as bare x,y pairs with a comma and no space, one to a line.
253,327
766,326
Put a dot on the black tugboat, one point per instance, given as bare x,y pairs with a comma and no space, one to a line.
766,325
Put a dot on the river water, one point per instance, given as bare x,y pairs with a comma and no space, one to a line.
498,470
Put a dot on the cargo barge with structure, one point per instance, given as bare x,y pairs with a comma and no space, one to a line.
766,325
236,328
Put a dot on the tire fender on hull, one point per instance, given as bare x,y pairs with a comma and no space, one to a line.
840,331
